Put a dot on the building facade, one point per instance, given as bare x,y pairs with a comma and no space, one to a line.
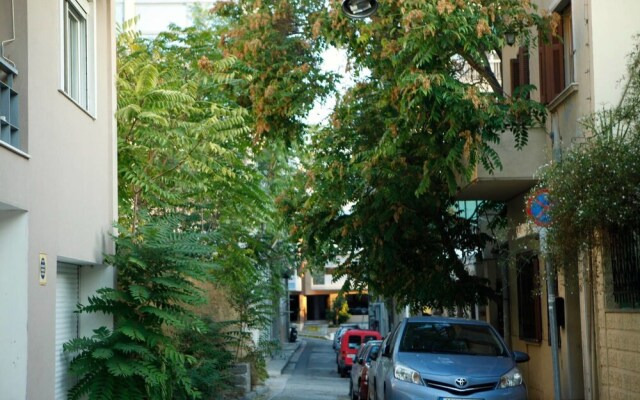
57,184
599,339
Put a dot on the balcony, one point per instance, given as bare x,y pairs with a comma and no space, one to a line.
8,105
518,169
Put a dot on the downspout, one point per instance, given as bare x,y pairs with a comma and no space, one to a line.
588,307
13,31
587,325
506,299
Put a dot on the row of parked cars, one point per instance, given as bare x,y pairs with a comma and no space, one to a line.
432,358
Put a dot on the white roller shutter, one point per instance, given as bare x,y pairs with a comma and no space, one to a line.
67,297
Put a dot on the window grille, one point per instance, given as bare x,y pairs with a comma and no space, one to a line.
8,105
624,248
529,303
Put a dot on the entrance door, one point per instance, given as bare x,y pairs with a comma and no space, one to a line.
317,307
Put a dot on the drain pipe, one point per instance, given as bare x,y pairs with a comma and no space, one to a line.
13,31
506,299
553,323
549,275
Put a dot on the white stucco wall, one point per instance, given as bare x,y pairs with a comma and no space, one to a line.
13,304
57,192
613,23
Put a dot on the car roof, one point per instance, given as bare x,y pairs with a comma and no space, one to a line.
445,320
360,332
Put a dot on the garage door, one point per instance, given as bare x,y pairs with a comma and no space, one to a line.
67,297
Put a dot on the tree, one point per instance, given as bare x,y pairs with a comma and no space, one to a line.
381,180
140,358
193,208
278,42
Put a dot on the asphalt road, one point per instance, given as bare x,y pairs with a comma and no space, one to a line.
311,375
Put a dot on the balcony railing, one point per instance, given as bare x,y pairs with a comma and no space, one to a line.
8,105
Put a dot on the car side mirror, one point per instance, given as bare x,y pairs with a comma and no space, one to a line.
520,357
373,356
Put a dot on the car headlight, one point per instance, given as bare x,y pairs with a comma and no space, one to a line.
407,374
511,379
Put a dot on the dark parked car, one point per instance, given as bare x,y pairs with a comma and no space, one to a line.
349,345
437,358
358,385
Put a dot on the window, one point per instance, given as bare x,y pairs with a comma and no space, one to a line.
556,57
8,105
318,278
624,249
78,26
439,337
529,305
519,69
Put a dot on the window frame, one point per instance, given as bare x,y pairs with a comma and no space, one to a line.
556,57
623,269
529,298
519,70
78,53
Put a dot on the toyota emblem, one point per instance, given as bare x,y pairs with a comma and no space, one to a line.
461,382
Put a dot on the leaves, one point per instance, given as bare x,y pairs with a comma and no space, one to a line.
378,184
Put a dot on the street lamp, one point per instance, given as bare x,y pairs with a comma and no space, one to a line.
358,9
510,38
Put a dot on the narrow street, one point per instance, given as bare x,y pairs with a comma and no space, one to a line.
311,375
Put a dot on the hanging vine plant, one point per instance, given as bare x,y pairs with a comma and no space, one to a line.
596,187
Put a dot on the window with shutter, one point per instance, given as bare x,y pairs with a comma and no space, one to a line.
556,59
520,69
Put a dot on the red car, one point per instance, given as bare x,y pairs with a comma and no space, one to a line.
349,345
359,385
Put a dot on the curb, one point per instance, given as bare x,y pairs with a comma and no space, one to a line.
275,366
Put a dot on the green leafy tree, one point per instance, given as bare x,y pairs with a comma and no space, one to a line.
339,312
139,358
278,41
381,179
191,198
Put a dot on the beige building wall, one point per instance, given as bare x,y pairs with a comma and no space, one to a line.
618,351
57,189
599,346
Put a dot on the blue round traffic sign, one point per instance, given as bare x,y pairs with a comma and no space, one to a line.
538,207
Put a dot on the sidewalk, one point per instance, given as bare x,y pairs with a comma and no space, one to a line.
275,365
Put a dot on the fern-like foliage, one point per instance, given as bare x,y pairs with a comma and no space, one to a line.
140,358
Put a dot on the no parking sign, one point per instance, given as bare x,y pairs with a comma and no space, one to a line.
539,206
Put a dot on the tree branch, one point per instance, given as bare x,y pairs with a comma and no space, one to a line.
484,69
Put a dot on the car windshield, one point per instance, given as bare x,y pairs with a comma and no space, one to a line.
373,351
433,337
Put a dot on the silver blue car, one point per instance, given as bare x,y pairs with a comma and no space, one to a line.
437,358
